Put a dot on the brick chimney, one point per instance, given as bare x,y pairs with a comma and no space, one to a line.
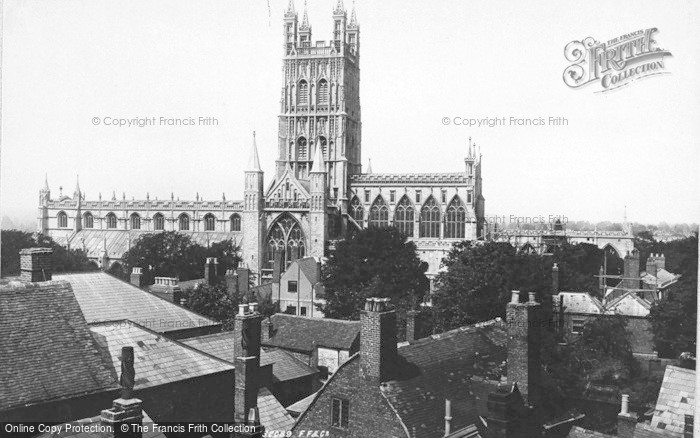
136,276
652,266
502,417
555,279
246,353
631,270
35,264
126,410
211,271
266,330
377,340
523,325
626,420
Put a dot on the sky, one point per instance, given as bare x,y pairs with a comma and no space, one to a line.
68,62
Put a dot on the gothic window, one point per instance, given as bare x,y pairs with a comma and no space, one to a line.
322,92
455,218
356,210
235,222
324,146
184,222
158,222
302,150
209,222
404,216
379,213
392,196
111,220
430,219
303,93
285,242
88,220
62,220
135,221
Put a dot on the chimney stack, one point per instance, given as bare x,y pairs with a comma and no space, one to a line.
211,271
502,418
35,264
136,276
555,279
411,325
626,420
246,352
126,415
523,325
243,280
266,330
378,351
652,267
631,270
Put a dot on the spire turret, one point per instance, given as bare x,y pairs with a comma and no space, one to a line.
290,9
369,165
339,8
46,182
254,160
353,17
319,165
76,192
305,19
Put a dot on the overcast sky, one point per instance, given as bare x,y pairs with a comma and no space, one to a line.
66,62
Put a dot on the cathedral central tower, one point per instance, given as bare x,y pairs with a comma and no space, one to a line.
320,103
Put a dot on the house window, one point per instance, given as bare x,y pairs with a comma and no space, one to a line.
577,325
292,287
209,222
111,220
135,222
291,310
418,197
392,196
62,220
340,410
235,222
158,222
303,311
184,222
88,221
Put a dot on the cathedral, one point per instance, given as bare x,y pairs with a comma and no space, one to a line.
319,191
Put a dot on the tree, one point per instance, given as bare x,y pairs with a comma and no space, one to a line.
62,259
214,302
674,319
578,265
172,254
373,262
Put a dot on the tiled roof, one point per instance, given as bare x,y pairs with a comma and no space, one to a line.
103,297
662,279
309,266
300,406
676,400
299,333
46,349
443,369
579,302
284,366
117,242
272,414
580,432
148,432
157,359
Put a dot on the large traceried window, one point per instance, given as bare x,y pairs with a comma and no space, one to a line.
455,218
209,222
322,92
62,220
135,221
88,221
111,220
357,211
404,216
379,213
430,219
235,222
184,222
285,242
303,93
158,222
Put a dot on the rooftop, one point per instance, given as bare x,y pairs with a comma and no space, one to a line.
272,414
46,349
676,400
300,333
103,297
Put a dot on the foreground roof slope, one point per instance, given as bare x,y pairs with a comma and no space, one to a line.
300,333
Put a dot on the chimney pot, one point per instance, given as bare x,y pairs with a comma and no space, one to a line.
253,417
624,409
515,297
254,307
242,309
531,297
448,417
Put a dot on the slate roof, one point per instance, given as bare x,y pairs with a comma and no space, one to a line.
157,359
117,242
676,400
579,302
103,297
580,432
444,365
297,408
309,267
148,432
46,349
272,414
662,279
284,366
299,333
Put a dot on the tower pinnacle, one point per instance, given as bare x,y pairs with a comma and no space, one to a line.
76,193
353,16
46,182
369,165
319,165
339,7
305,19
254,161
